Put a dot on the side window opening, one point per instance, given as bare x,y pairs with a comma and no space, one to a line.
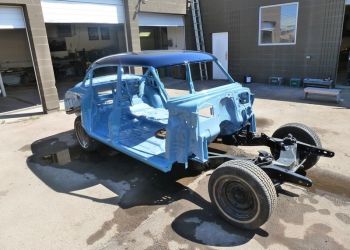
104,81
104,75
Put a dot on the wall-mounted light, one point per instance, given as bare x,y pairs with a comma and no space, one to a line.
145,34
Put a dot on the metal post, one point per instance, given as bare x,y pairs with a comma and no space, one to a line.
3,92
198,32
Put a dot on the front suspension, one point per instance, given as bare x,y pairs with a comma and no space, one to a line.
288,167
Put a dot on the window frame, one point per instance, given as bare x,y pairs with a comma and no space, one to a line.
91,30
105,33
64,30
296,24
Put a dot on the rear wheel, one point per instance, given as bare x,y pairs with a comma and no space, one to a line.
242,193
304,134
85,141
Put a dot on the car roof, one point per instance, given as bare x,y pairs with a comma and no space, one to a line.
156,58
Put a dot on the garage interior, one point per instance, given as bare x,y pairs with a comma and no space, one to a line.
344,60
161,31
75,46
154,38
78,33
16,66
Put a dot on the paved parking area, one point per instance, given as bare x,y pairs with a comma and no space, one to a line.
54,196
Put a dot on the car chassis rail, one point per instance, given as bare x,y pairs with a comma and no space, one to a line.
287,166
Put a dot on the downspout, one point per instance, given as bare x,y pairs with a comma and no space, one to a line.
125,27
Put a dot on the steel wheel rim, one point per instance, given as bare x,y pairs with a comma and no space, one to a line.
82,136
236,199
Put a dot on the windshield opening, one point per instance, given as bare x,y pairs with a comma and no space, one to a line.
216,76
176,78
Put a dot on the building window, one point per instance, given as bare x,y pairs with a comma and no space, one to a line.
278,24
93,33
64,30
105,34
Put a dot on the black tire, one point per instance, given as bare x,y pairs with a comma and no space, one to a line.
242,193
85,141
302,133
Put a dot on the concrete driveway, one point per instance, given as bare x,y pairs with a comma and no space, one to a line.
54,196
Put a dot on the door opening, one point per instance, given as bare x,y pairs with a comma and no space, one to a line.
343,76
220,51
17,73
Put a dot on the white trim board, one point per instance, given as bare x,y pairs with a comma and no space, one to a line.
55,11
11,17
161,20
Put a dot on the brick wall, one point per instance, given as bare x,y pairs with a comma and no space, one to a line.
319,35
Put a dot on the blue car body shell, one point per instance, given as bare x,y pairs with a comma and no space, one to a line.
125,111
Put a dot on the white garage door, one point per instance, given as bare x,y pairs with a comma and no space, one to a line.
11,18
111,12
160,20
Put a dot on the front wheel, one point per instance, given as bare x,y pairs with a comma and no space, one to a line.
304,134
242,193
85,141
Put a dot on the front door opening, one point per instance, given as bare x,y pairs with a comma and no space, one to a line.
220,51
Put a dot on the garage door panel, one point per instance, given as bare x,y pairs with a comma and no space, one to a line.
161,20
75,12
11,18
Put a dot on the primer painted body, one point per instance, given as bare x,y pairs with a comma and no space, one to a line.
136,107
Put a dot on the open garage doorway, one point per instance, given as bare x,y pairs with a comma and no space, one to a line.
74,47
79,33
161,31
343,74
19,88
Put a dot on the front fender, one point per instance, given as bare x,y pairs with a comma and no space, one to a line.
72,102
196,120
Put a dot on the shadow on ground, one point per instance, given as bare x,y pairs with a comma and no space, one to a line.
60,163
20,115
139,190
19,97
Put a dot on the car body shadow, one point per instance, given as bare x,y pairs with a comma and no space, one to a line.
60,163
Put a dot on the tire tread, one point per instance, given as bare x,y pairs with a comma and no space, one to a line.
261,176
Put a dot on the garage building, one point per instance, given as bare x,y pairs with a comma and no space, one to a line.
49,44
